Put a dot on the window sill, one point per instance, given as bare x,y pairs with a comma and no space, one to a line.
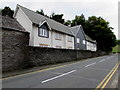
43,36
58,39
70,41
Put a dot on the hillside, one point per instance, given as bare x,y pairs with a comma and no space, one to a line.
116,48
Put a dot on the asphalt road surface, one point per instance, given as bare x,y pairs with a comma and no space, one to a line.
82,74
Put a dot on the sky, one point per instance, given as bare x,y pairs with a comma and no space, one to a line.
107,9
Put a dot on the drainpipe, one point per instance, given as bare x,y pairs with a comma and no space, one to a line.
76,48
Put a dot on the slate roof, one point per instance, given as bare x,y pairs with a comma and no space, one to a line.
75,29
10,23
89,39
37,18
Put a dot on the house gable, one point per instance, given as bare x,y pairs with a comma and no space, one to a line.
45,23
80,34
43,30
79,37
22,18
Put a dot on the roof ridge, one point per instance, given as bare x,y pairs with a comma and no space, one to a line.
76,26
42,15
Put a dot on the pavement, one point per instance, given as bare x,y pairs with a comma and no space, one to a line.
97,72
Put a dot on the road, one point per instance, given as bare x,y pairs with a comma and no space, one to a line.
82,74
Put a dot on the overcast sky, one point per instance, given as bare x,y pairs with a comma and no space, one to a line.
108,9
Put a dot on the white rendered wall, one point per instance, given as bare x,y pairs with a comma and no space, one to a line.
25,22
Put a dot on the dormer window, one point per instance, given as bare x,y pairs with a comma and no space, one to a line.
43,31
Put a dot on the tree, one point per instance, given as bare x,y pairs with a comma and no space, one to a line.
40,12
101,32
79,20
67,23
57,17
118,42
7,11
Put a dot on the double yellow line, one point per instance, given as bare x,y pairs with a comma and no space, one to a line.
107,78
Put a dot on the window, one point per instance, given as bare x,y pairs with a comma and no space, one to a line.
83,41
78,40
58,36
69,39
43,32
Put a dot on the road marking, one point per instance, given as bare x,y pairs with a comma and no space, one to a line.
102,60
58,76
33,72
90,64
106,77
109,78
10,77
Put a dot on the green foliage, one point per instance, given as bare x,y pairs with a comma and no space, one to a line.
67,23
7,11
118,42
101,31
57,17
116,48
40,12
78,20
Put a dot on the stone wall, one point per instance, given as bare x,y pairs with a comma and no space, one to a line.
44,56
14,49
16,54
41,56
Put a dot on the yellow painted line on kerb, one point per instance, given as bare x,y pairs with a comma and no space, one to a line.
108,77
33,72
37,71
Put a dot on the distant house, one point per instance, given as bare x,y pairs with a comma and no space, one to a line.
82,41
44,32
79,37
90,44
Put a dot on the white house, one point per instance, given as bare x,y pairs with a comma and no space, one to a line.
90,44
43,31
